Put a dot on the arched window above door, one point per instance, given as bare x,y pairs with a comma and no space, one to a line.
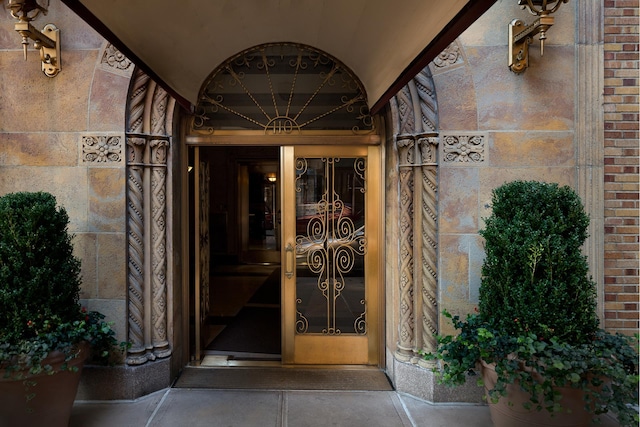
282,89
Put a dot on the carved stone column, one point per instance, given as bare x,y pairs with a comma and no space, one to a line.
148,140
416,118
589,134
406,334
428,147
135,236
418,321
158,244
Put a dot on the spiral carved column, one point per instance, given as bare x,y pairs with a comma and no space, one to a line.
429,217
135,236
418,320
406,333
148,127
158,242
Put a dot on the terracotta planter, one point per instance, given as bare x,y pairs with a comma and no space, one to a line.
53,394
509,412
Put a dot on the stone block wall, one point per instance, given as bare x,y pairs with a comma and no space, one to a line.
65,135
497,126
621,186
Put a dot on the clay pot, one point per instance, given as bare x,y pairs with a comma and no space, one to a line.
53,395
509,412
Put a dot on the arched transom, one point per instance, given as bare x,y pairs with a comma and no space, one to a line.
279,89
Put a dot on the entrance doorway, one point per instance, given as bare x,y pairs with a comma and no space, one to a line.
291,258
293,185
235,203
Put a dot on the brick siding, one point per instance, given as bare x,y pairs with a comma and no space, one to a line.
621,166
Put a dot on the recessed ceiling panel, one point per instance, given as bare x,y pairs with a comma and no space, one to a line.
181,42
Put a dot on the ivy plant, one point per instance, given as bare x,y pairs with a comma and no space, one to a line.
537,320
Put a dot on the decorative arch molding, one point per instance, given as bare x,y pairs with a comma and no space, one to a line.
415,123
149,124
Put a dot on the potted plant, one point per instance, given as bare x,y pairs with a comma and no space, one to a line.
45,335
535,337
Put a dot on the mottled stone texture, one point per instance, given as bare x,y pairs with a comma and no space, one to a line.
42,121
528,124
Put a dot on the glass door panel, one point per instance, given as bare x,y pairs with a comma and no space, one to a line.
330,273
330,246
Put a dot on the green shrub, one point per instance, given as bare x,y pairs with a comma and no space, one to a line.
39,288
535,278
537,320
39,276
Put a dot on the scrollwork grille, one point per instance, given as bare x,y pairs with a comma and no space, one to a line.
280,89
330,246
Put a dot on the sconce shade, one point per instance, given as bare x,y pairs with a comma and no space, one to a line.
27,10
541,7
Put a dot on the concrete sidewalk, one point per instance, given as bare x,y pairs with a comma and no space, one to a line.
247,408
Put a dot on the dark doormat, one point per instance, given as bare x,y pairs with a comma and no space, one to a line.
269,292
253,330
284,379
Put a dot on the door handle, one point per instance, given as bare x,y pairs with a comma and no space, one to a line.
288,261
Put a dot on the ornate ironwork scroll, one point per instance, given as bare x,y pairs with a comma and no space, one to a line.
282,89
330,284
149,117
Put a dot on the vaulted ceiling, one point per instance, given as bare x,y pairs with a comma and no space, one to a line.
179,43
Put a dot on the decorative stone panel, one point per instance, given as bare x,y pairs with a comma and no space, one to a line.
449,59
114,61
101,150
463,148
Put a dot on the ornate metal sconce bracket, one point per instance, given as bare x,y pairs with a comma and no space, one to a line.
521,35
46,41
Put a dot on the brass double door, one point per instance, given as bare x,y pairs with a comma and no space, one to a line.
330,257
330,234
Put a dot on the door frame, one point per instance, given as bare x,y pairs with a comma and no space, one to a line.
375,150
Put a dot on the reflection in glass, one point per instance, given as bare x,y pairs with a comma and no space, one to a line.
330,245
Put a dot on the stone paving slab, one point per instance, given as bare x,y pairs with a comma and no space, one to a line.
264,408
279,408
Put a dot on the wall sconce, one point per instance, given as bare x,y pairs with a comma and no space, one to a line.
521,35
47,40
271,177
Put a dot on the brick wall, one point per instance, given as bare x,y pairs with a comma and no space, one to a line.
621,126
